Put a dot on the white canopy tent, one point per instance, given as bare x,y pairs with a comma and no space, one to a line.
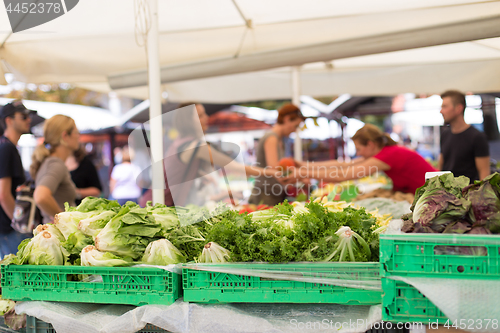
197,39
471,66
84,116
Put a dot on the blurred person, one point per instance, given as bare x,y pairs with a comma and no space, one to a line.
123,181
84,175
378,152
464,149
117,155
53,184
270,150
190,159
16,121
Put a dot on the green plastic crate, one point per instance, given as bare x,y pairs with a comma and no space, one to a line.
203,286
117,285
441,255
35,325
402,302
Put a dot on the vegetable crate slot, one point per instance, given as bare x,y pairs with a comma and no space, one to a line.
447,256
35,325
109,285
404,303
282,283
441,255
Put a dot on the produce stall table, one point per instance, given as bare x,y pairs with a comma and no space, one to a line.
190,317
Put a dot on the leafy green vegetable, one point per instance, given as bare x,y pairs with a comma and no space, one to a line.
446,182
449,204
164,216
162,252
484,196
67,222
347,243
93,204
192,214
284,234
91,226
11,259
75,243
90,256
457,227
214,253
129,232
10,318
54,231
436,208
6,305
43,249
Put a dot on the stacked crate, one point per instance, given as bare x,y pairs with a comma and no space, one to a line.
282,283
431,256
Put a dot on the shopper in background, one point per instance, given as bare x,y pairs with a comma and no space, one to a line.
464,149
84,175
53,184
378,152
16,121
189,161
123,183
270,150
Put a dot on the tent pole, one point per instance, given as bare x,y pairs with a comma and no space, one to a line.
297,144
156,126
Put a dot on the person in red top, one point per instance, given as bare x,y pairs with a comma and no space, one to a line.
378,152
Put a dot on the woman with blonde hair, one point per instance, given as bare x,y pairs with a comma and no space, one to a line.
53,184
378,152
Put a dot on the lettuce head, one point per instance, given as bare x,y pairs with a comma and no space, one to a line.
162,252
90,256
436,208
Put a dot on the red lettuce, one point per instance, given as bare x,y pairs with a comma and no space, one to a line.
484,196
436,208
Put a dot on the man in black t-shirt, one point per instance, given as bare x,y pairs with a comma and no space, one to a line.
16,120
464,149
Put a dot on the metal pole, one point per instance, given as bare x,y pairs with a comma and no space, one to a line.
297,144
156,124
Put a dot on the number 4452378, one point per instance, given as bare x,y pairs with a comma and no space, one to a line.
34,8
472,324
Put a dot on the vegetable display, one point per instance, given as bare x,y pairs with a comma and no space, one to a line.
100,232
389,194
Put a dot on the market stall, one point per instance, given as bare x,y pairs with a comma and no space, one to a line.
66,272
220,271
